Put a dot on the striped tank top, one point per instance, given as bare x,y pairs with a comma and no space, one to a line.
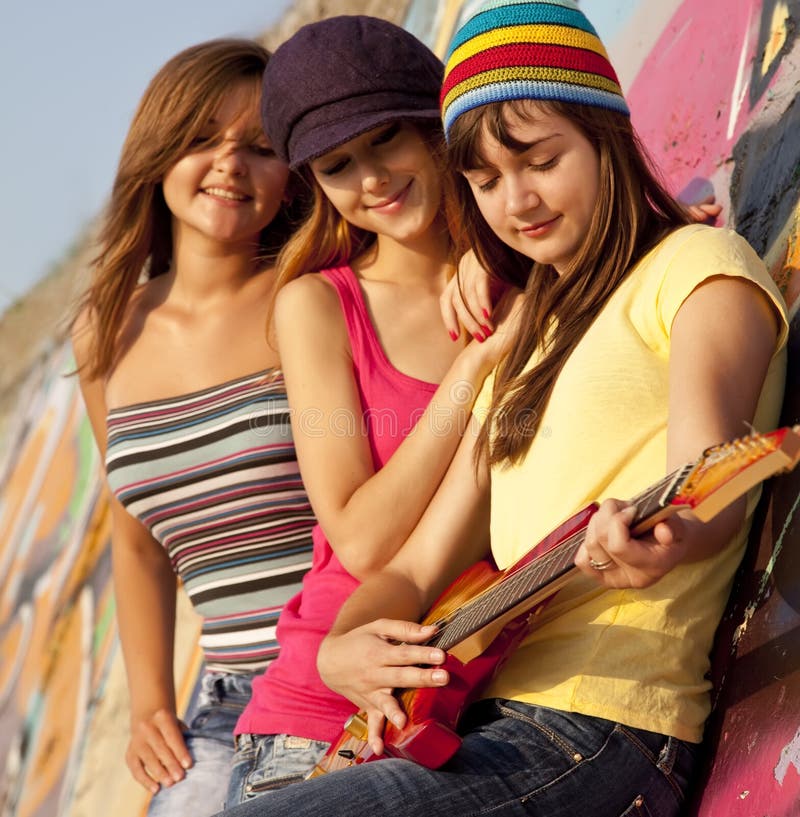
214,477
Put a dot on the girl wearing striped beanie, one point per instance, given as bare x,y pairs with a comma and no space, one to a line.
643,341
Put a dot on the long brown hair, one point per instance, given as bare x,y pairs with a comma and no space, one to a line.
136,237
633,212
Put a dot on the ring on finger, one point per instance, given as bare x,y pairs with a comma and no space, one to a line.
601,565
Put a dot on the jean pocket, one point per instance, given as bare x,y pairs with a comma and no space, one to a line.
576,737
215,721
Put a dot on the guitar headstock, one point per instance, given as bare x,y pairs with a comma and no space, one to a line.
727,471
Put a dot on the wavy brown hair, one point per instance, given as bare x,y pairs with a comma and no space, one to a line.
634,212
136,236
324,239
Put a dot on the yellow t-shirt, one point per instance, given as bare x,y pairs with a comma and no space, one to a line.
639,657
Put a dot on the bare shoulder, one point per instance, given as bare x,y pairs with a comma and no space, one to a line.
308,292
308,301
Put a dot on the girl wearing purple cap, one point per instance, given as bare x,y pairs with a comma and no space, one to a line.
643,340
189,410
380,394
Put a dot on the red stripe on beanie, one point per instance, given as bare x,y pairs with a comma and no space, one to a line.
514,56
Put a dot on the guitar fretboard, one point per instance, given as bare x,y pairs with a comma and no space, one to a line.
518,585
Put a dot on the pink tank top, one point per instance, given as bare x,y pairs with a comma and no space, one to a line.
290,697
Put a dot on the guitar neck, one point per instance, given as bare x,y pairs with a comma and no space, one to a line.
534,577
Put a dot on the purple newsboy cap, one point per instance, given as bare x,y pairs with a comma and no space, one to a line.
338,78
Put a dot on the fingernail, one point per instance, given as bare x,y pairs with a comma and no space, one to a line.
186,763
486,330
453,335
397,720
485,313
479,337
177,778
439,676
436,657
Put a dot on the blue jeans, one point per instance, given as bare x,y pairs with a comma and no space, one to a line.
515,760
265,763
219,700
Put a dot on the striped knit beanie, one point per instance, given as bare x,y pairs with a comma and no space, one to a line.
541,49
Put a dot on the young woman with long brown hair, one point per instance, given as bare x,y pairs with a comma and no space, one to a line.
643,340
379,393
189,409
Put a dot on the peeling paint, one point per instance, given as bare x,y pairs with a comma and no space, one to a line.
766,578
790,756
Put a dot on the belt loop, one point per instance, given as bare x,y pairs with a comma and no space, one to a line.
244,741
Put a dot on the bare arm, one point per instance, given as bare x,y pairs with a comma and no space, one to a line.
144,587
376,630
722,340
365,514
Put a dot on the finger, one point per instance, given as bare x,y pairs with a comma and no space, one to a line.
175,745
152,764
448,312
402,631
141,776
468,320
669,532
156,742
407,677
703,212
619,528
483,301
375,722
474,297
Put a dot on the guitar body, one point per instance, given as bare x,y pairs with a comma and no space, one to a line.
429,736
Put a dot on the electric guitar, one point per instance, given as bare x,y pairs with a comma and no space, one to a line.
484,615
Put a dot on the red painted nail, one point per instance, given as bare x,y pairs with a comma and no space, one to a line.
453,335
485,313
486,330
479,337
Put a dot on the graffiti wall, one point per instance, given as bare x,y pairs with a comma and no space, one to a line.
63,711
713,86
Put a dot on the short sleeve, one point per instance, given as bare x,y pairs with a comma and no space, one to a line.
699,253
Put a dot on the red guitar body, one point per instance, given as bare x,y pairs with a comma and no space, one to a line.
429,736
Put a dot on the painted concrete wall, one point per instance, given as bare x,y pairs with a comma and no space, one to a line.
713,86
63,704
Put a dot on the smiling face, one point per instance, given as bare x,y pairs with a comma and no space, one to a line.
228,187
538,189
385,181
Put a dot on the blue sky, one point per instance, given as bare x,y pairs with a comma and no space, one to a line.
71,76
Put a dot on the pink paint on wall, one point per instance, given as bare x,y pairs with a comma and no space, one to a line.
694,76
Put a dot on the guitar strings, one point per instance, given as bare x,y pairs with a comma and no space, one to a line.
499,597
